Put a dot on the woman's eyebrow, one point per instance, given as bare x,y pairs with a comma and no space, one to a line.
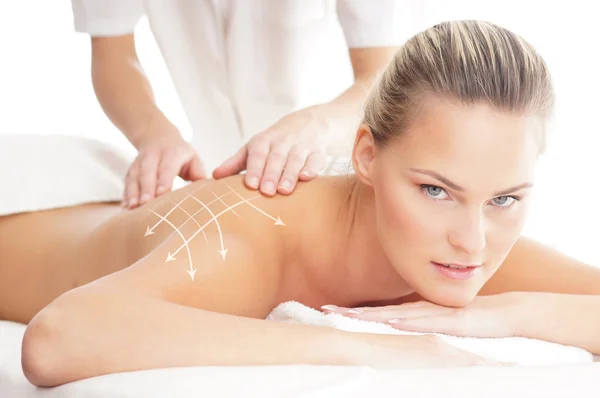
458,188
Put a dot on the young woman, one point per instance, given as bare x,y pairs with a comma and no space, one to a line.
425,235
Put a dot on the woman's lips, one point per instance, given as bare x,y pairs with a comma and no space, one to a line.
461,273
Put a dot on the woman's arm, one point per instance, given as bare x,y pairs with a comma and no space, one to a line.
94,332
152,315
537,293
559,297
560,318
533,267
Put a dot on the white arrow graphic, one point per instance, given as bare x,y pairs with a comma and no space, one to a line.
208,222
223,251
171,257
222,201
192,218
277,220
150,231
214,217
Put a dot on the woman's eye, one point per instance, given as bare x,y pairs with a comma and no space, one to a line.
435,192
504,201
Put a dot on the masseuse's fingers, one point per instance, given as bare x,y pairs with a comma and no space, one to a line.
193,169
131,194
168,168
295,161
314,164
273,170
233,165
258,152
147,175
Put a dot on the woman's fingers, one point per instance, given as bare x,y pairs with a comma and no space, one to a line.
386,313
432,319
446,324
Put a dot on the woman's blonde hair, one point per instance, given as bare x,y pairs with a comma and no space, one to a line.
466,62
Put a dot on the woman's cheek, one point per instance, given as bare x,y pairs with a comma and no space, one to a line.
505,233
410,217
510,225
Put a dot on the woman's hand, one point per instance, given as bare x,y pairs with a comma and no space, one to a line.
410,351
485,316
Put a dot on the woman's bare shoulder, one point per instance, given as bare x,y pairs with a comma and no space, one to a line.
217,250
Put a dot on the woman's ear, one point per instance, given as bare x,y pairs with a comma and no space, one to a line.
363,154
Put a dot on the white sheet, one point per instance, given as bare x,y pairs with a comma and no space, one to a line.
304,380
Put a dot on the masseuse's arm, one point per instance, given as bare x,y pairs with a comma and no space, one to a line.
295,147
367,64
124,91
126,97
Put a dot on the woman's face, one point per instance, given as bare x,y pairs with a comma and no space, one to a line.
453,192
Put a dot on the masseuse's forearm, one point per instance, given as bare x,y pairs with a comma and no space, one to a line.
124,91
86,333
561,318
367,64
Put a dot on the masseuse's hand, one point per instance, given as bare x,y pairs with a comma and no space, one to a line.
159,161
293,149
485,316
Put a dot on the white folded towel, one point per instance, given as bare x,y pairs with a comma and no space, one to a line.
42,172
518,350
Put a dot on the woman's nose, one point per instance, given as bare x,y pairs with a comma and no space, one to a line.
470,235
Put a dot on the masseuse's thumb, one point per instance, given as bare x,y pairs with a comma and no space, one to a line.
193,170
233,165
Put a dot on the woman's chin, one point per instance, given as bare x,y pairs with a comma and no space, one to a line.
448,296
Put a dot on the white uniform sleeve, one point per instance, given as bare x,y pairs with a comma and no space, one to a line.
372,23
107,17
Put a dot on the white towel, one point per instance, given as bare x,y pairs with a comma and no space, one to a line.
41,172
513,349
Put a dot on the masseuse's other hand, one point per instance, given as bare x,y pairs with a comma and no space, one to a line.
486,316
158,163
293,149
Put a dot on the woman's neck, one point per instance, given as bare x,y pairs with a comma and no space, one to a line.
346,261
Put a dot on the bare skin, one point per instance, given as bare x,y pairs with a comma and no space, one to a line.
47,253
364,240
70,247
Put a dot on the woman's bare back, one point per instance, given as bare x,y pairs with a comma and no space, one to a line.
45,254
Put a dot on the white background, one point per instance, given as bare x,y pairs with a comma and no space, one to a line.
45,88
